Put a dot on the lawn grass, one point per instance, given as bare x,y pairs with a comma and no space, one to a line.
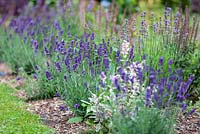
14,119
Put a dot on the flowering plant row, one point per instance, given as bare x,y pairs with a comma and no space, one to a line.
128,76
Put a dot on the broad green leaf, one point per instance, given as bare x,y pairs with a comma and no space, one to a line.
75,120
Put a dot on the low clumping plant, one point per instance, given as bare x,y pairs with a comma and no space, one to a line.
143,120
130,91
193,107
18,53
72,66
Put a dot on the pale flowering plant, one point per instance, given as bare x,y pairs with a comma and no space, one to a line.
125,48
137,86
118,93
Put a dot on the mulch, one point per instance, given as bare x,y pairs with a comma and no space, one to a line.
54,113
188,124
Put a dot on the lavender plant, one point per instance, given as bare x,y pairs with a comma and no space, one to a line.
130,90
18,53
143,120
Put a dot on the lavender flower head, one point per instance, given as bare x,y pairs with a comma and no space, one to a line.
170,62
192,111
58,66
35,76
48,75
90,6
63,108
161,60
37,68
18,78
58,94
103,76
106,62
76,106
92,36
118,56
115,81
65,77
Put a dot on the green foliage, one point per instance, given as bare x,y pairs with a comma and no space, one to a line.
194,105
129,5
47,2
18,54
75,120
190,64
126,113
143,121
175,3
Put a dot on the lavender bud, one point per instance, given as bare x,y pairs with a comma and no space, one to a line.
48,75
65,77
35,76
161,60
63,108
76,106
92,36
170,62
58,94
192,111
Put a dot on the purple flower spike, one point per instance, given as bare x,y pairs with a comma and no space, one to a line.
76,106
148,96
37,68
106,62
90,6
92,36
58,94
184,107
170,62
143,14
161,61
116,83
102,84
155,97
103,76
48,75
35,76
189,81
192,111
63,108
35,45
131,54
144,57
118,56
65,77
18,78
46,50
58,66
